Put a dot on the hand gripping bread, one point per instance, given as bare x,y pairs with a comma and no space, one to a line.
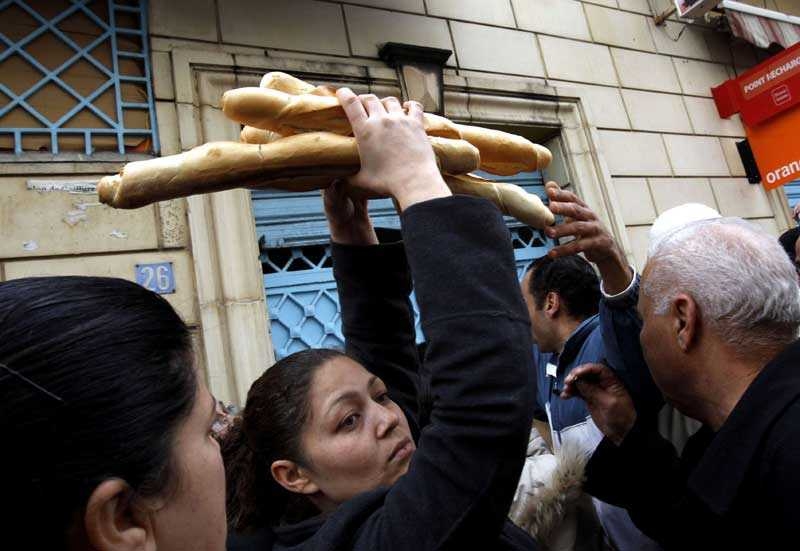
288,114
294,163
512,200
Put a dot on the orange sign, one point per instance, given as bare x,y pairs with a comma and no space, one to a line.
776,147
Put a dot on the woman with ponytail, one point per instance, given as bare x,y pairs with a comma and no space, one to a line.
328,454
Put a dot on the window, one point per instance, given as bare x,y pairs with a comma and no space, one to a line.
75,77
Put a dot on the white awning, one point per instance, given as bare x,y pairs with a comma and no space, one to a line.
761,27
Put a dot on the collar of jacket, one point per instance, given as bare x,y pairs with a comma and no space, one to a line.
724,465
575,341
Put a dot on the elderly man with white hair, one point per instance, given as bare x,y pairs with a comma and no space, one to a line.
720,309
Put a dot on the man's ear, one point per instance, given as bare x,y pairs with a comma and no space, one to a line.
293,477
685,321
113,523
552,304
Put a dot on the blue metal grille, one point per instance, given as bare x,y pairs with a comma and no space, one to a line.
298,278
109,53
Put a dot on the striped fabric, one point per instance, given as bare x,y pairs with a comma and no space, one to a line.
762,31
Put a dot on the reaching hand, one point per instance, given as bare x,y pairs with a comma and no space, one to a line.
591,238
348,217
607,398
396,156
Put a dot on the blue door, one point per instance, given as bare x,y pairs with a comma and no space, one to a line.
298,276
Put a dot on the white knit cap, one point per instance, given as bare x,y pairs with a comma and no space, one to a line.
675,218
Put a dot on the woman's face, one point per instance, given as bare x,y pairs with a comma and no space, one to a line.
355,438
193,515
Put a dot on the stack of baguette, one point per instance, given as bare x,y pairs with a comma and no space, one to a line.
296,137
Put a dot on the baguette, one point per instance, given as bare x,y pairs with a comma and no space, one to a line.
293,160
287,114
294,86
511,199
502,153
251,134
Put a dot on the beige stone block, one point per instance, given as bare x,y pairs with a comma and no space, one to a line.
679,39
185,76
122,266
45,223
417,6
162,76
789,7
168,132
188,126
696,155
564,18
656,112
173,224
732,156
635,202
639,6
577,61
645,71
698,77
456,106
737,197
706,120
769,225
605,108
639,238
671,192
304,25
369,29
195,19
634,153
520,50
493,12
607,3
619,28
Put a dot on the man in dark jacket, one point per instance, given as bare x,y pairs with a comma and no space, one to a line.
574,320
721,314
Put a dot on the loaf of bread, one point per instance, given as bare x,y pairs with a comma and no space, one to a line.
288,114
502,153
293,160
284,82
512,200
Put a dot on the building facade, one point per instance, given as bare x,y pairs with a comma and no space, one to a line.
624,104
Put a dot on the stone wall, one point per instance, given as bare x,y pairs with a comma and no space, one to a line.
647,87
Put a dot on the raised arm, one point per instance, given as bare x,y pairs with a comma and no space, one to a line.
464,473
374,284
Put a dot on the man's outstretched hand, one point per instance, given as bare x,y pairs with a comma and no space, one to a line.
591,238
607,398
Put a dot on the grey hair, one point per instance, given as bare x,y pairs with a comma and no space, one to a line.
741,279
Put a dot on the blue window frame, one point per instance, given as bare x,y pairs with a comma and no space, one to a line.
298,277
76,77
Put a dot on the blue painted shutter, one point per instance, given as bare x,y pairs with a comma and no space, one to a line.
298,278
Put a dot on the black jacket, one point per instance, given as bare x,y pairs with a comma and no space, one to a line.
734,489
461,479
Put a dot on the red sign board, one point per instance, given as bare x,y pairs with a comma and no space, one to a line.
768,98
764,91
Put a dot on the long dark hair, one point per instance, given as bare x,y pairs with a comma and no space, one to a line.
270,429
95,376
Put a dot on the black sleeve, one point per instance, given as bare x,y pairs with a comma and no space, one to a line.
645,476
463,475
377,320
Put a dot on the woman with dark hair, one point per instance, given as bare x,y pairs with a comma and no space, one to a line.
328,453
108,430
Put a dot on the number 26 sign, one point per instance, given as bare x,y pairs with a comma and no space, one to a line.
158,278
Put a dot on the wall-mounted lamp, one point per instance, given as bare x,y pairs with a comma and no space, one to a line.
419,70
